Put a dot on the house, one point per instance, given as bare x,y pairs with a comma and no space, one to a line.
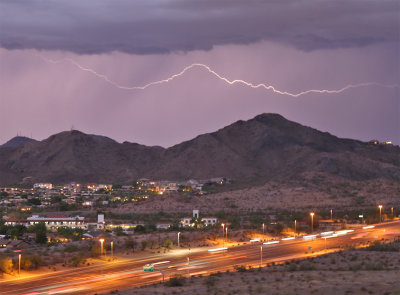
42,186
209,221
185,221
18,244
163,225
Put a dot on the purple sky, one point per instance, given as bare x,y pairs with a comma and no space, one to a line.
294,46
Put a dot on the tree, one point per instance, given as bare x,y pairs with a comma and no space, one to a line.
74,234
167,243
41,233
130,244
119,231
140,229
6,265
197,222
34,201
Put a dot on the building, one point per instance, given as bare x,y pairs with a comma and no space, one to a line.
55,221
43,186
209,221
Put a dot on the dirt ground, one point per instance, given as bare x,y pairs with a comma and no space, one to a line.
316,191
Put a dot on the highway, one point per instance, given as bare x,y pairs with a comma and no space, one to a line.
128,273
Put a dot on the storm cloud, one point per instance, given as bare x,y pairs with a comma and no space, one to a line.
153,27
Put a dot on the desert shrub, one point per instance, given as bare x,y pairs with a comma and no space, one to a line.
240,268
210,281
292,267
71,248
76,260
306,266
378,246
175,282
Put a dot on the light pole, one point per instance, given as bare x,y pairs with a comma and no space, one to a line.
19,265
101,241
223,234
331,214
295,227
263,226
380,213
261,256
112,249
392,212
325,242
19,261
226,231
178,239
312,221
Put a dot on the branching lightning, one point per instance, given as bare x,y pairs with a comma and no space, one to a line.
226,80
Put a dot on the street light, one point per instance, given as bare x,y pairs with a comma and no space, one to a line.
392,212
263,225
261,248
19,264
112,249
223,231
226,230
101,241
295,227
312,221
380,213
19,261
178,238
331,214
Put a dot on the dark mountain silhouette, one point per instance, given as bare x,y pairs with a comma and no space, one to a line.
17,141
267,147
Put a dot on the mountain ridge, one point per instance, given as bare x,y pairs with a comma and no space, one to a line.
267,147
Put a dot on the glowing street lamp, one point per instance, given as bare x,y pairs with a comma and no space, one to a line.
178,239
223,232
392,212
263,227
380,213
112,249
295,226
101,241
312,221
226,231
331,214
261,248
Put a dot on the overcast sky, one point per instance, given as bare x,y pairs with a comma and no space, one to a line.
292,45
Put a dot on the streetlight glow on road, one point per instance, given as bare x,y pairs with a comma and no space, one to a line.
380,213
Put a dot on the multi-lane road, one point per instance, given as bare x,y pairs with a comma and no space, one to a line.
128,273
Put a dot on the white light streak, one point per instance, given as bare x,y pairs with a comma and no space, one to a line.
217,249
161,262
271,243
367,227
255,240
288,239
326,233
219,76
309,237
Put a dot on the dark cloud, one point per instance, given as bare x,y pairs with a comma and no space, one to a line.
148,27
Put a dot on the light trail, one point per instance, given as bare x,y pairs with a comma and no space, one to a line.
219,76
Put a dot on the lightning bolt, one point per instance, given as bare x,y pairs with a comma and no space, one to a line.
226,80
